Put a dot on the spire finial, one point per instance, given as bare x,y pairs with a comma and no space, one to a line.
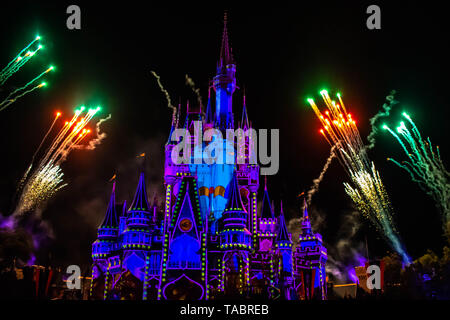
226,57
244,121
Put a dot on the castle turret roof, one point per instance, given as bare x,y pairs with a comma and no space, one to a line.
110,220
266,209
283,234
234,200
140,201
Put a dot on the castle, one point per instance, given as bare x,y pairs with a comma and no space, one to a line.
208,240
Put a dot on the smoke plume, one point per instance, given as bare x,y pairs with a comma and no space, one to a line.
387,106
315,187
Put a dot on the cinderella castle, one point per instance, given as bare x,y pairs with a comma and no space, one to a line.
207,240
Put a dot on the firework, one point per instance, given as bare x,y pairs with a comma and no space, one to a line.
424,165
23,57
14,65
366,190
47,178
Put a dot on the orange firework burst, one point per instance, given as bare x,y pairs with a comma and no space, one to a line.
368,192
47,178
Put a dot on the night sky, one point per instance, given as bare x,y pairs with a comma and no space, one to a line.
283,55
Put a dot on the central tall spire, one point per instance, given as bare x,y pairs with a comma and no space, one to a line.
225,82
226,54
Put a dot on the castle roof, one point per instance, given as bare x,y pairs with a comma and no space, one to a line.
244,121
283,234
234,200
266,209
226,56
140,201
110,220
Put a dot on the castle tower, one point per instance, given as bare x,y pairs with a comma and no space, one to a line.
267,223
225,83
108,230
136,238
309,260
284,256
105,249
235,241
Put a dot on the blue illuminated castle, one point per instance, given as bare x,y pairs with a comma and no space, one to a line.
208,240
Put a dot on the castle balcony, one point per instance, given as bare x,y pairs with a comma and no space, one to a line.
102,248
136,238
234,220
138,219
107,232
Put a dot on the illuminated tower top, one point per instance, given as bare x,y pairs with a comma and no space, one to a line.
226,55
110,224
225,82
244,120
110,219
306,223
266,209
283,238
140,202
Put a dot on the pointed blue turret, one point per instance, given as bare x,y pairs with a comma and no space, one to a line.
226,55
283,234
140,201
234,199
244,120
234,232
225,82
266,209
108,230
110,220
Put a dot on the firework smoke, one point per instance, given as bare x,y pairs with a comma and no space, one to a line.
166,93
424,166
347,252
367,190
387,106
40,185
21,238
315,187
191,84
98,140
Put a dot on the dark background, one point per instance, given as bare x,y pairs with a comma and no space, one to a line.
284,54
